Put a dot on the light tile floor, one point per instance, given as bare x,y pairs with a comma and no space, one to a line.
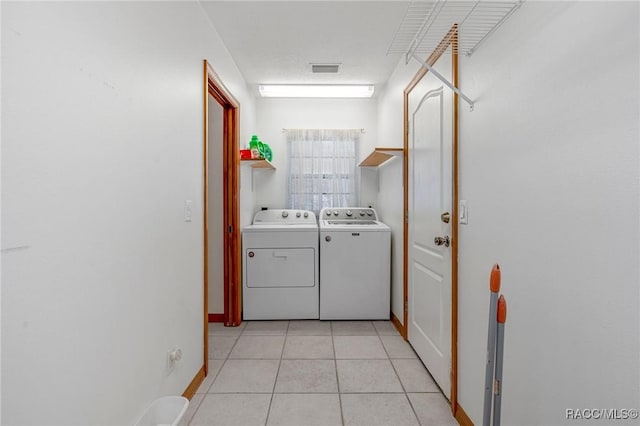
306,373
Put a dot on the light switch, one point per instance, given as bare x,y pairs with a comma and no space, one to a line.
464,212
187,210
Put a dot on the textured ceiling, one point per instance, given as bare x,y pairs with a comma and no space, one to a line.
275,41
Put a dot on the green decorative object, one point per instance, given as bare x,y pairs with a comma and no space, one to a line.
261,149
254,146
268,154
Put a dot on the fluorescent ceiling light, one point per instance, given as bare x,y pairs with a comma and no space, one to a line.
315,91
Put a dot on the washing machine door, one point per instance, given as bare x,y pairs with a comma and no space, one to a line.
280,267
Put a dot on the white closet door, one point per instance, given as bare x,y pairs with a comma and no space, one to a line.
430,193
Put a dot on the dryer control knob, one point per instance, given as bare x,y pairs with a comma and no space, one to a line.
306,214
285,213
327,238
336,213
328,213
349,212
297,214
361,212
370,212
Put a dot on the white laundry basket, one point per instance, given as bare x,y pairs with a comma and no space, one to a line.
165,411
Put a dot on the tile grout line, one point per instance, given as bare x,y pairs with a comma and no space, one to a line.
213,379
224,361
404,390
195,411
275,381
335,364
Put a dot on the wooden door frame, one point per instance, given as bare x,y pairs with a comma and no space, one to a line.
214,87
450,40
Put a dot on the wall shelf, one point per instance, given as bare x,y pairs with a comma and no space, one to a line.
258,163
380,155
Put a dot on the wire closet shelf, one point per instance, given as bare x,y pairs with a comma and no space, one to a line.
426,23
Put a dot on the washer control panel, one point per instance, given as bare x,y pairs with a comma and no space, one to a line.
284,216
350,213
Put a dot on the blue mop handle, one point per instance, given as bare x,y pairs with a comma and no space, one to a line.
497,399
494,287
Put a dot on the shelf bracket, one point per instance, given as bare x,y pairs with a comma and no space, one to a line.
445,81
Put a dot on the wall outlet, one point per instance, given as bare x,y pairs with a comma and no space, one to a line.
173,356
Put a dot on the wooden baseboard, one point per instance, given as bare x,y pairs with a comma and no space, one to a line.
461,417
191,390
399,326
216,317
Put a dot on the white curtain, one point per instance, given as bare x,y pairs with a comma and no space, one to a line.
322,168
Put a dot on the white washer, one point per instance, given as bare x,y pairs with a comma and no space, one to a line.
280,273
355,265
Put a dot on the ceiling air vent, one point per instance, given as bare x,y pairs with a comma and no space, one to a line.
325,68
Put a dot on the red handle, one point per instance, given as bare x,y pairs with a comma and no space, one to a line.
494,282
502,309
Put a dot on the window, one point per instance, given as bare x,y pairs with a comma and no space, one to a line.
322,168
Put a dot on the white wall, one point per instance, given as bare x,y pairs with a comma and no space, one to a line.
102,145
549,166
273,115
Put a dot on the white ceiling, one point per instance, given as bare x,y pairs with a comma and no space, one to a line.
275,41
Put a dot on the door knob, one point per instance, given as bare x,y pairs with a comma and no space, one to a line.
442,241
445,217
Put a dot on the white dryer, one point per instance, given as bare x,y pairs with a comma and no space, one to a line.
280,271
355,265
